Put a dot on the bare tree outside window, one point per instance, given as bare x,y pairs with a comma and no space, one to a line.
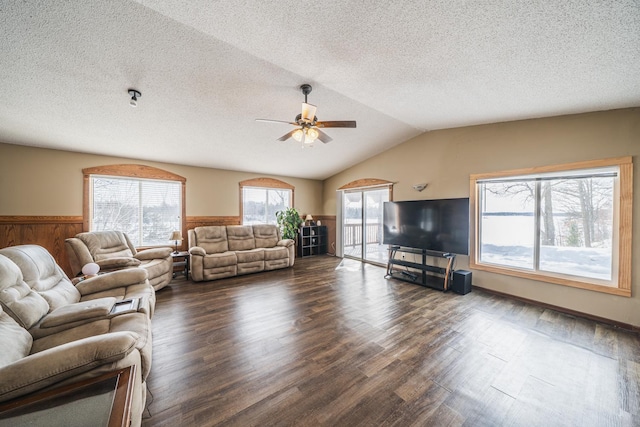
562,225
260,204
567,224
583,216
507,224
146,210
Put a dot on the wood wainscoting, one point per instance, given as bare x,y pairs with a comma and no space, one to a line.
201,221
46,231
50,232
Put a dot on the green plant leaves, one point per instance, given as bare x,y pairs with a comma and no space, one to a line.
289,222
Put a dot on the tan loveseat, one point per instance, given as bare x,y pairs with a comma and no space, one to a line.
112,250
225,251
52,333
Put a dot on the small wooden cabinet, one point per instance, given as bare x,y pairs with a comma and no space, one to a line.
312,240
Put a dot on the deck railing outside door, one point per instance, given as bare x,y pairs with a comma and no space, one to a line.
353,234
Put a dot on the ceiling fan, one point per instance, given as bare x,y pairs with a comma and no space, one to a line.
307,124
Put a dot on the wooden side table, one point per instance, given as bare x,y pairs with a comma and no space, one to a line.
181,259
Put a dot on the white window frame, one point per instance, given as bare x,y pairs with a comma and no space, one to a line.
621,250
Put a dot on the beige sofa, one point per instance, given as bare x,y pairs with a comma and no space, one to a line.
112,250
224,251
52,333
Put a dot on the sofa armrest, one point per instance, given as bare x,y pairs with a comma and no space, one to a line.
153,253
112,280
286,243
84,310
117,263
57,364
197,250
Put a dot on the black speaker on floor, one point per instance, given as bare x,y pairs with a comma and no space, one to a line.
461,283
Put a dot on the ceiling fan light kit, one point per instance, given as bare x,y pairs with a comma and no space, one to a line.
307,136
307,123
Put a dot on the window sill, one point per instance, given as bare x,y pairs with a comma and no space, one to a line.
613,290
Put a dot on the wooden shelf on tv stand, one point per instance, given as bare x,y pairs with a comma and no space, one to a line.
428,274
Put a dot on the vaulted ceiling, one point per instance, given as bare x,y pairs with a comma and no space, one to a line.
208,69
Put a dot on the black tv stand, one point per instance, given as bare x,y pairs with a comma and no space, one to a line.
430,275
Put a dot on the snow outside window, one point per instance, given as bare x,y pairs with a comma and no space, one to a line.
147,210
565,224
560,225
260,204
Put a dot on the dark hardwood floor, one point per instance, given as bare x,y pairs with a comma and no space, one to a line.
331,342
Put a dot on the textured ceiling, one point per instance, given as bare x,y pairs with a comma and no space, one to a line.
207,69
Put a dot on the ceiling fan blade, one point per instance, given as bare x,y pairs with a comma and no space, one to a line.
287,135
324,137
308,111
337,124
276,121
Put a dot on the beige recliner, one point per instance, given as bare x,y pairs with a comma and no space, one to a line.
42,274
112,250
46,343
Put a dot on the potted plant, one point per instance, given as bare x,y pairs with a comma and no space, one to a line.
289,222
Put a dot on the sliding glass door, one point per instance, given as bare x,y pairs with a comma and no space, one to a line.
362,224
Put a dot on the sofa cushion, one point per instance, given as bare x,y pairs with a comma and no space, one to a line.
240,237
155,267
220,272
42,274
15,341
250,260
18,300
251,255
276,264
106,244
213,239
220,260
277,252
250,267
266,235
276,257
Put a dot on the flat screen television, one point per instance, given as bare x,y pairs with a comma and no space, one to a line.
437,225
